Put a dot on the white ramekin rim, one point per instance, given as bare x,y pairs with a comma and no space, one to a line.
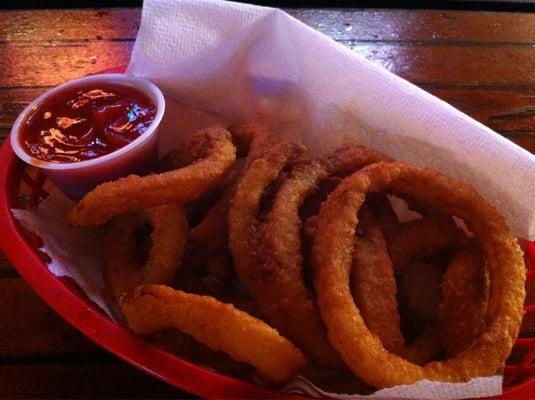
140,84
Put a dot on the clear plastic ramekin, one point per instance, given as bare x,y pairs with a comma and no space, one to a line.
77,178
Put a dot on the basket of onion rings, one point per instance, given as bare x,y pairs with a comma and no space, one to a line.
325,237
278,264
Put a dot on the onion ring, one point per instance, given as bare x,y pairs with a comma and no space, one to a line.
212,154
279,284
374,290
373,284
220,326
122,269
208,241
211,233
464,297
361,350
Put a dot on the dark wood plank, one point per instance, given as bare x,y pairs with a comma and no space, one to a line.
505,110
60,25
421,25
30,327
369,25
66,379
36,65
453,64
32,65
13,101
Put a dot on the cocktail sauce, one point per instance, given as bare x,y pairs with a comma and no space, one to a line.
86,123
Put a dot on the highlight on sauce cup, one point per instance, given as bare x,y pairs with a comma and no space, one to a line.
101,160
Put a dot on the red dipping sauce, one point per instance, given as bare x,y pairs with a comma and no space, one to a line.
86,123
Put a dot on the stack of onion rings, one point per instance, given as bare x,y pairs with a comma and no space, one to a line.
361,350
307,258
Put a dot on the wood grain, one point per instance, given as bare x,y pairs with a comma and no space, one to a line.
421,26
91,379
61,25
364,25
30,327
33,65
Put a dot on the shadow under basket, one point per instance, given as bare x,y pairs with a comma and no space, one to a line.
24,187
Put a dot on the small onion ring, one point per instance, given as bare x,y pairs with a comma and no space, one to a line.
361,350
122,271
212,155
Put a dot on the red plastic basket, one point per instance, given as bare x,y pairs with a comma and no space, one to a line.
68,301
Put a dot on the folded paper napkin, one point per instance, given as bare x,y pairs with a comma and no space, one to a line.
257,63
226,62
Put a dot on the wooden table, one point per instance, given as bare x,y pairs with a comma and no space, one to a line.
481,62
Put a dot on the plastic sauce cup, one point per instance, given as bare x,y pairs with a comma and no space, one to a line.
77,178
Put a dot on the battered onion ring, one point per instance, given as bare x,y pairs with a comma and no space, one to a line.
464,297
219,326
373,284
212,154
421,238
374,289
361,350
208,241
122,268
278,282
252,140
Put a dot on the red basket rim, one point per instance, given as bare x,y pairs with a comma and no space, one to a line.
116,339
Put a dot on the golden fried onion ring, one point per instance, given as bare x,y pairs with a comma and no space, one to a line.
218,325
373,284
211,234
212,156
374,290
122,268
290,306
361,350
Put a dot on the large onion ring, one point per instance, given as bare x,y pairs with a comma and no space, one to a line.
374,290
122,269
361,350
212,154
291,307
220,326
